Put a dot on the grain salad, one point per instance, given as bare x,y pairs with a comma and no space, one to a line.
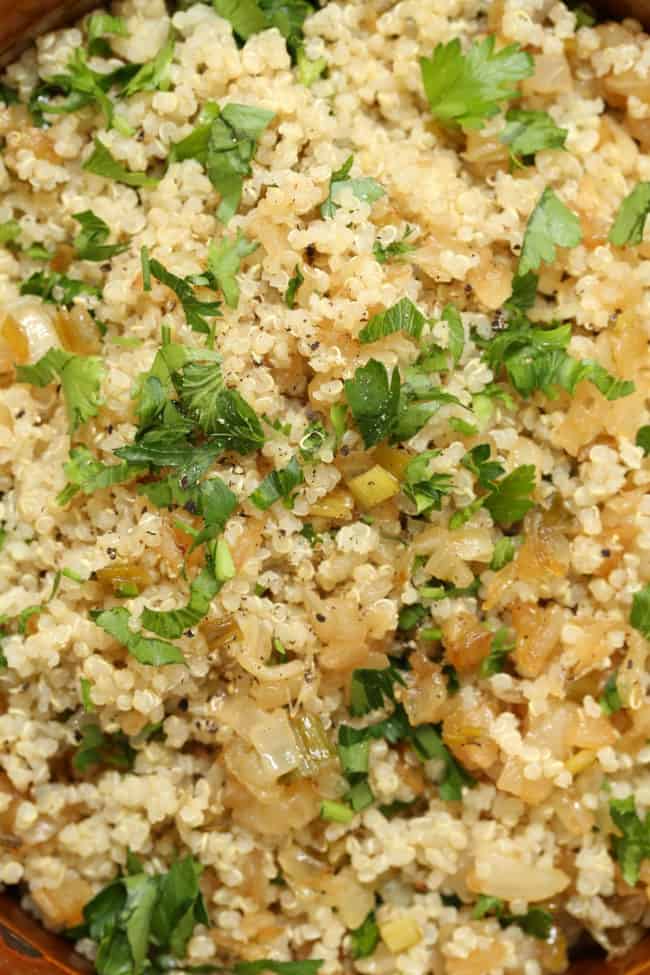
324,490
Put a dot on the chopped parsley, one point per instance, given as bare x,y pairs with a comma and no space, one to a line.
224,260
278,485
632,844
365,188
528,132
426,490
292,288
171,624
154,75
196,311
610,700
365,938
90,243
629,223
102,163
536,922
467,89
395,251
500,648
57,289
508,498
146,650
550,225
248,17
308,967
79,85
9,232
141,921
402,317
643,439
410,616
535,358
80,377
456,332
308,72
504,552
86,474
373,399
8,95
85,687
640,612
225,142
98,26
425,739
97,748
372,688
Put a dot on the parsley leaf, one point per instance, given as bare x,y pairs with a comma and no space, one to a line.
224,260
401,317
500,648
86,694
633,845
248,17
643,439
231,146
152,76
172,623
373,399
640,613
456,341
396,251
425,489
102,163
477,460
365,938
194,309
292,289
81,86
528,132
467,89
86,474
277,485
504,552
370,688
364,188
550,225
610,700
534,358
536,922
237,426
9,232
629,222
57,289
510,499
90,243
98,26
139,920
245,16
96,748
146,650
80,377
8,95
199,386
307,967
308,72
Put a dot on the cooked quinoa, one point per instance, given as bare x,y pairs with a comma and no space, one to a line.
324,500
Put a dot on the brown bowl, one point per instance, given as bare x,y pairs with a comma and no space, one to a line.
25,947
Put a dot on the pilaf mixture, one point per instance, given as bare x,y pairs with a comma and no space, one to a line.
325,507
